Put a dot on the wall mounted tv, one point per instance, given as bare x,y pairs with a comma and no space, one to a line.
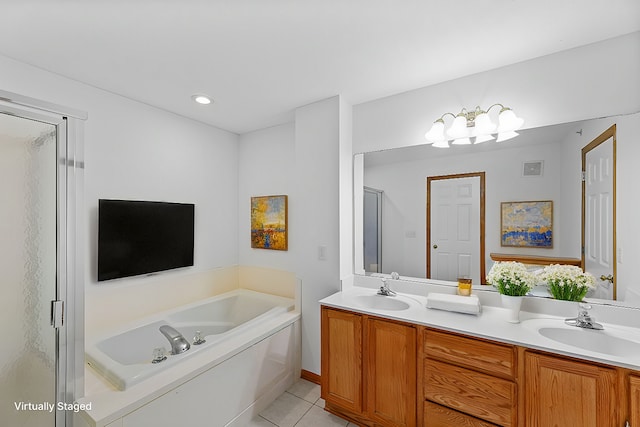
141,237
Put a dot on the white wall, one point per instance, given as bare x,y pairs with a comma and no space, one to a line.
591,81
266,166
345,168
310,161
314,215
628,204
136,151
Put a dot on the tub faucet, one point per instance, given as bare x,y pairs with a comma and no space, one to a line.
178,343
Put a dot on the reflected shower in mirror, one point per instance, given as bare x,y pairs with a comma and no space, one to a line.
372,230
542,164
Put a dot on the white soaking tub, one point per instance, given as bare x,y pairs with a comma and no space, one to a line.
124,357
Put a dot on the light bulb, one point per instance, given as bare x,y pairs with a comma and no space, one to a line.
484,125
458,128
436,133
509,121
201,99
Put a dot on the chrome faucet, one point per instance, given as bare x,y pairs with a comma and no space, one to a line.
384,289
584,319
178,343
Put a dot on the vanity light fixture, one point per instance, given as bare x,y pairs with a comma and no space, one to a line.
201,99
475,127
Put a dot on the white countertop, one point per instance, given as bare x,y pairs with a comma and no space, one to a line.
491,324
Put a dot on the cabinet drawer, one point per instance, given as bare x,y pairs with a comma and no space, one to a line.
492,358
473,393
439,416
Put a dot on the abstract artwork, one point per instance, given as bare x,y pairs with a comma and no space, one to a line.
269,222
527,224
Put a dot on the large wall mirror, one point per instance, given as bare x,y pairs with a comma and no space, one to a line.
538,173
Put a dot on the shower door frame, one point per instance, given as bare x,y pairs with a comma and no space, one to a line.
69,123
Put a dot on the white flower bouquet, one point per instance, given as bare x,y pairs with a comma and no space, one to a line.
511,278
567,282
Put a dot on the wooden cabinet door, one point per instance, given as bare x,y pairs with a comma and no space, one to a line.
341,378
391,373
634,408
560,392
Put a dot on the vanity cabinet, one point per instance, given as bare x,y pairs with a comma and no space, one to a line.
341,377
391,373
380,372
569,393
467,381
634,401
369,368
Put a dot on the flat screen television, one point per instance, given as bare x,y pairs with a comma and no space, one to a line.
141,237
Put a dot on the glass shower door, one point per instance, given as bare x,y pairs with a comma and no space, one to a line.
28,271
372,233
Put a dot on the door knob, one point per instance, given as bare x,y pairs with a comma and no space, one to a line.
608,278
435,246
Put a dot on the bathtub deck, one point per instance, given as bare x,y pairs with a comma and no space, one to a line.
109,404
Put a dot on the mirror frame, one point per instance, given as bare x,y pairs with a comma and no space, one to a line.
610,133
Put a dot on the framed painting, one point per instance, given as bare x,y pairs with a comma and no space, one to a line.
269,223
527,224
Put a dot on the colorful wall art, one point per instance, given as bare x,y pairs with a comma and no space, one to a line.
527,224
269,222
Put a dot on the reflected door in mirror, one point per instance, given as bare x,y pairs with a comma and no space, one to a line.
454,224
599,218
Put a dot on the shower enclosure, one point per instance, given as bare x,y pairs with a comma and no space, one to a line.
41,283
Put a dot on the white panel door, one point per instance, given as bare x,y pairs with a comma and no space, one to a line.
455,229
598,256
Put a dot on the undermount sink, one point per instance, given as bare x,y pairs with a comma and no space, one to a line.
613,341
380,302
592,340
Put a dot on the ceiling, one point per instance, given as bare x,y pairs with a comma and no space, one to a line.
261,59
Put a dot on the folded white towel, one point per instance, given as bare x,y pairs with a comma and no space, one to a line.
461,304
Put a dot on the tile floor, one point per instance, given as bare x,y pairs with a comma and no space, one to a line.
299,406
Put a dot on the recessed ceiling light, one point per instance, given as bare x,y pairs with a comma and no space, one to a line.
201,99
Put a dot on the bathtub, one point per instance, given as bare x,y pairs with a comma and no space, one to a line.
125,356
